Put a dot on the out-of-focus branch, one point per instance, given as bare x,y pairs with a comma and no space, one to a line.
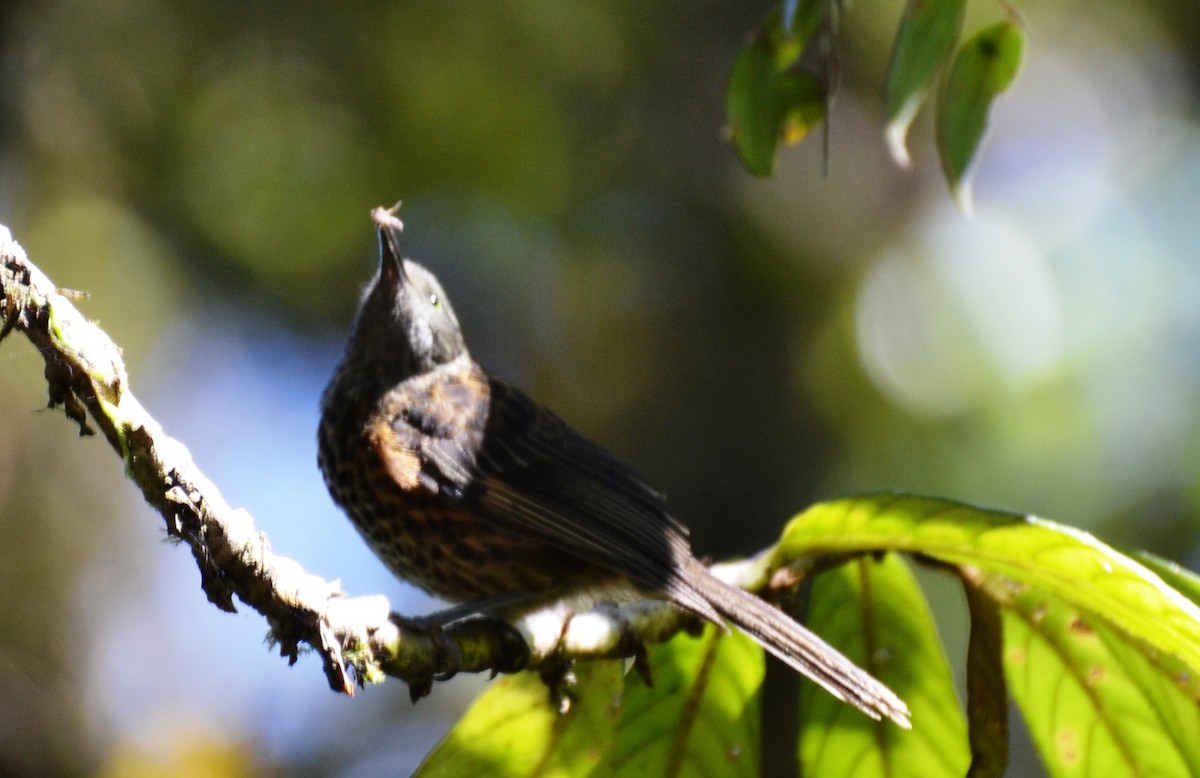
358,639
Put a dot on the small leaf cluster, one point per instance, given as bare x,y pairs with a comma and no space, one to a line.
773,101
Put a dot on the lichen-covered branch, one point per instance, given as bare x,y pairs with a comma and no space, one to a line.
357,638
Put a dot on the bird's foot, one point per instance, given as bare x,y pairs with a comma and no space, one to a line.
446,660
559,676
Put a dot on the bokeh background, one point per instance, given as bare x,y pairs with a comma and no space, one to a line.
205,170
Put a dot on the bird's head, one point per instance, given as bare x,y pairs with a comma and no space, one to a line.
404,319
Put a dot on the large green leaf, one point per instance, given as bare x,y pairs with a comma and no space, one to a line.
874,611
1095,701
1102,654
928,33
984,68
1059,560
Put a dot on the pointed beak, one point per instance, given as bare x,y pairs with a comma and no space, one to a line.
391,261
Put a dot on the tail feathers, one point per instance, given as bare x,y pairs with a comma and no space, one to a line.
800,648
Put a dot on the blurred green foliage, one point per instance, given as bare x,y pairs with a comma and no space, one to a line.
205,170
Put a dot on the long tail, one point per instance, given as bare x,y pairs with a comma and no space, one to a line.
799,648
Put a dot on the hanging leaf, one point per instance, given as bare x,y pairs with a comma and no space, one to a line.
925,40
983,69
767,102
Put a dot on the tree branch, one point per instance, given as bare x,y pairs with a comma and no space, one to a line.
358,639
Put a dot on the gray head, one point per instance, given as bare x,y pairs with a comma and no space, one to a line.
405,324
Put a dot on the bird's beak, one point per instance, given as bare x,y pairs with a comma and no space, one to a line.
391,261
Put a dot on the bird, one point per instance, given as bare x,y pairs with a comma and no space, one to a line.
469,488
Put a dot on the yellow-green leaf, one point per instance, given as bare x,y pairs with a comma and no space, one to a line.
1182,580
874,611
1094,700
928,33
1101,652
1060,560
983,69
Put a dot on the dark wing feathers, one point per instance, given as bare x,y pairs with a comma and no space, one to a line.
526,469
527,450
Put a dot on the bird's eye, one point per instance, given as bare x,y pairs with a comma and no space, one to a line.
434,300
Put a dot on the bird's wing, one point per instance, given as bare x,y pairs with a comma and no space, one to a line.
528,472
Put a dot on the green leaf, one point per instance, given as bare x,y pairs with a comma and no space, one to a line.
1101,653
767,102
875,612
987,692
751,106
702,715
928,33
983,69
1059,560
513,730
1095,700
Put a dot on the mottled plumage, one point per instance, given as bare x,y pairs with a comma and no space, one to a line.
467,487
